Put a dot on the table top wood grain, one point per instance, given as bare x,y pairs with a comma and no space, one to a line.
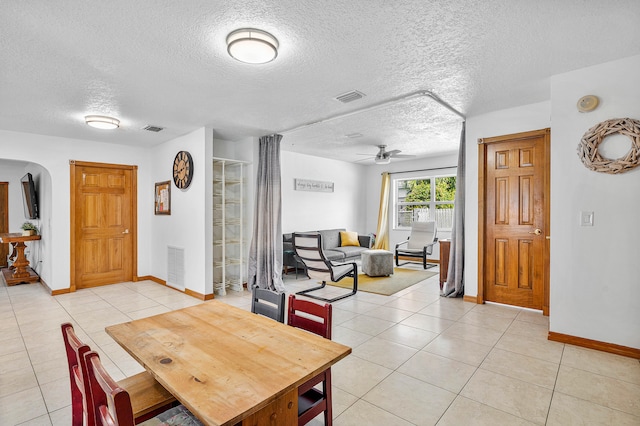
17,237
224,363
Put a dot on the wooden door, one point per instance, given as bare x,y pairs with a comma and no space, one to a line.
515,186
103,224
4,221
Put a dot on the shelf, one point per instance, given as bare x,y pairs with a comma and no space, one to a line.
230,223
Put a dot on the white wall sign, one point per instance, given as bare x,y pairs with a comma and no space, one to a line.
313,185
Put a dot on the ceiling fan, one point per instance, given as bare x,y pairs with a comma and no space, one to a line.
384,157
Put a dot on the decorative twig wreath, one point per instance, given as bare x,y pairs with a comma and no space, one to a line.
588,148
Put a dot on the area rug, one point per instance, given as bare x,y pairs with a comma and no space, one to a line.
401,279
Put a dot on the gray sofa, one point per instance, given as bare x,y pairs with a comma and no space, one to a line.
331,245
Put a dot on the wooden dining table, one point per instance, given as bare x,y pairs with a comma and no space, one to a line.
228,366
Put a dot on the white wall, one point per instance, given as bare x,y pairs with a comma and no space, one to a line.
403,169
186,227
595,280
53,155
306,211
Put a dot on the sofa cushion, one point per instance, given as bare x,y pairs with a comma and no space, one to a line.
351,251
330,238
334,255
348,238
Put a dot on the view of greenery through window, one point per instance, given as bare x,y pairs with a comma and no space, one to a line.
418,200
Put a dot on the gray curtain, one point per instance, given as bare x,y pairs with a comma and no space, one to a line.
265,252
455,274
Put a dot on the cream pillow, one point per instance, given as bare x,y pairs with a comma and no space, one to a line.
348,238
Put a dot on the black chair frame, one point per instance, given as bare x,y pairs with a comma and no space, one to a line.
315,264
268,303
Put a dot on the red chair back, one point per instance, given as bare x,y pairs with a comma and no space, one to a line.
77,376
111,403
317,319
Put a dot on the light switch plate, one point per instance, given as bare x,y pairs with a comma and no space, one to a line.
586,218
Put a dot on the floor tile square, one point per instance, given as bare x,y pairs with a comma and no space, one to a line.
384,352
411,399
568,410
363,413
438,371
513,396
522,367
458,350
602,390
465,411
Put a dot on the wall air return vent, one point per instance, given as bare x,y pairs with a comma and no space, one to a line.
175,267
153,128
351,96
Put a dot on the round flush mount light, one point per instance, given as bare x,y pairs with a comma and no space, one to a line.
252,46
102,122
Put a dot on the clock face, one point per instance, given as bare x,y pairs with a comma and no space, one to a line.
182,169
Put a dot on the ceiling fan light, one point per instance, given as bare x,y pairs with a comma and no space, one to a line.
252,46
382,160
102,122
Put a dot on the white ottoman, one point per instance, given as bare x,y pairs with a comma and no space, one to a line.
377,263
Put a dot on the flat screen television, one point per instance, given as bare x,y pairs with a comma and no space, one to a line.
29,197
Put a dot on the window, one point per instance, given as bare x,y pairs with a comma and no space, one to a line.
424,199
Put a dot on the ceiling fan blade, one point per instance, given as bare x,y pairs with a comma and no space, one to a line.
393,153
364,159
402,156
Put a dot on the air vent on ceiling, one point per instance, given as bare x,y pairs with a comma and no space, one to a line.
353,135
153,128
351,96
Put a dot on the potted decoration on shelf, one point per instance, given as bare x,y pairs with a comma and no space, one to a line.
28,229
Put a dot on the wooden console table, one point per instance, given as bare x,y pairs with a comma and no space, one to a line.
445,245
20,272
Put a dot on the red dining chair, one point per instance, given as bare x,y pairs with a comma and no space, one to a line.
148,396
315,319
111,405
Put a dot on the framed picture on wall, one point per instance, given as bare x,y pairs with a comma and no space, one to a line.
163,197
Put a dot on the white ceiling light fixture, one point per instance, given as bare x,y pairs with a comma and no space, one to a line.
252,46
382,160
102,122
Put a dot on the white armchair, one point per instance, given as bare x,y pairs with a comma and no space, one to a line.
419,244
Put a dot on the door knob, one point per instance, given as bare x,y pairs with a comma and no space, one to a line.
537,231
126,231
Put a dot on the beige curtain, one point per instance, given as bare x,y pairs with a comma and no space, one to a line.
382,233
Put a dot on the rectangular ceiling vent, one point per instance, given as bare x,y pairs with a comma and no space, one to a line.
354,135
153,128
351,96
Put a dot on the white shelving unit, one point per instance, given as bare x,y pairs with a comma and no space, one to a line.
229,225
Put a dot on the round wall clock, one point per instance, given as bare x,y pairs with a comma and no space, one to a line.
183,169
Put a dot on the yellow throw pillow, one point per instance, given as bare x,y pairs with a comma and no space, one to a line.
348,238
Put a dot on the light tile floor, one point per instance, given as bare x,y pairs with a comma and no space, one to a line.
418,359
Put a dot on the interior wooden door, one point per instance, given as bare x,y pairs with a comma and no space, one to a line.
4,221
516,219
103,224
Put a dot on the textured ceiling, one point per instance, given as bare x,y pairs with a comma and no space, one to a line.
165,63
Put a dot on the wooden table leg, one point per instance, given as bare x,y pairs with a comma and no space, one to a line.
21,264
13,254
283,411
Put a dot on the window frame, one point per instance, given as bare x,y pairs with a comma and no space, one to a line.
432,203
